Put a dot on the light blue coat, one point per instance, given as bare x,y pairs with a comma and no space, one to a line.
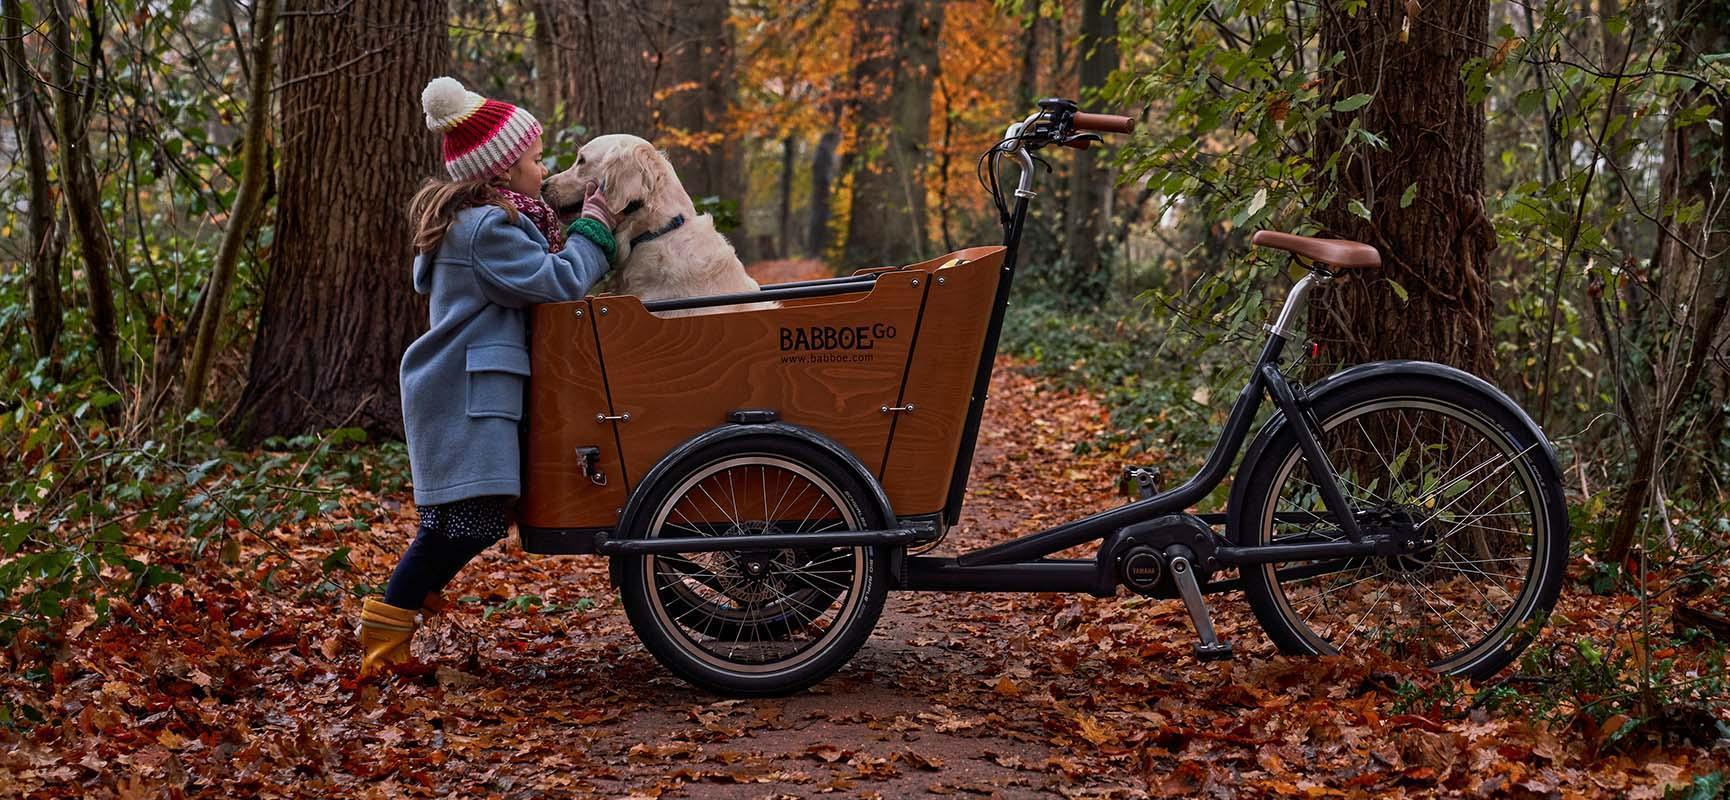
463,380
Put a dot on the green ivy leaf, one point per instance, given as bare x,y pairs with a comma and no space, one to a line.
1373,139
1358,209
1353,103
1529,101
1410,194
338,559
1399,291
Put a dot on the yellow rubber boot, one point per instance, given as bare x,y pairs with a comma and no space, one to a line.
385,631
433,604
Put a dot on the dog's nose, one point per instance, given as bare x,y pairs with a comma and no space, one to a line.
546,184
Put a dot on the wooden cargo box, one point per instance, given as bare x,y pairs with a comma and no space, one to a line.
609,374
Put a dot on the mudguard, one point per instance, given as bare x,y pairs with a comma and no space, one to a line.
1376,370
677,459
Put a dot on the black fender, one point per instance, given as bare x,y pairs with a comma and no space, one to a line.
677,459
1375,370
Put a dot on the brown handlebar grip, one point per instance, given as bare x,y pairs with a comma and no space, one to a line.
1103,123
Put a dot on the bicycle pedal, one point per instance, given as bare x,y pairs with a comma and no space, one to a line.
1143,482
1218,651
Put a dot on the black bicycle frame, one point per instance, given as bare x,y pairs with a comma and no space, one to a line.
1022,565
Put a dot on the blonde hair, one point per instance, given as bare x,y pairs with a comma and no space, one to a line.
435,205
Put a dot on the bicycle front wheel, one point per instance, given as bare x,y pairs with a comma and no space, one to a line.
753,621
1412,451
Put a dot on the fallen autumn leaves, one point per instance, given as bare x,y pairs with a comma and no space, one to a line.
536,687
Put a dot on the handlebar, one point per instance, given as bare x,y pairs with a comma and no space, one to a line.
1103,123
1059,122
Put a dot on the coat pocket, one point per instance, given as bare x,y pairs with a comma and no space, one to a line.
496,375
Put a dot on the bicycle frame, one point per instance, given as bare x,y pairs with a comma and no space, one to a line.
1021,564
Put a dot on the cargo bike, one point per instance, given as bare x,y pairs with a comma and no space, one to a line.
762,477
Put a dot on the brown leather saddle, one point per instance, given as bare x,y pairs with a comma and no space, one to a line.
1334,253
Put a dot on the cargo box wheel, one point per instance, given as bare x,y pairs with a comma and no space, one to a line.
755,621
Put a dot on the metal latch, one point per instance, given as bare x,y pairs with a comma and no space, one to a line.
906,409
591,457
753,416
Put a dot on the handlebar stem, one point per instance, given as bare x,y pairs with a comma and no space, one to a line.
1024,186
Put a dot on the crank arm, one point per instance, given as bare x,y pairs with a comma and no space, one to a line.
1210,648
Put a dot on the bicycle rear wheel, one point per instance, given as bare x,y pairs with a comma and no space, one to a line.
1412,452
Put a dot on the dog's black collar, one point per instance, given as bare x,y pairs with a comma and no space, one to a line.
631,208
672,225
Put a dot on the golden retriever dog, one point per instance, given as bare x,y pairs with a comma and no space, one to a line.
666,249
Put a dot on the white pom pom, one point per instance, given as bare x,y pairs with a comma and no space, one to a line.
443,100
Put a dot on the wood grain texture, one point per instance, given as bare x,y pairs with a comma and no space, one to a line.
678,377
682,376
940,381
565,393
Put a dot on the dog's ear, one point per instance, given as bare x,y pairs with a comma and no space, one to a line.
634,176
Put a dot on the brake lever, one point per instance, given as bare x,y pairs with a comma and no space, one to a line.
1080,141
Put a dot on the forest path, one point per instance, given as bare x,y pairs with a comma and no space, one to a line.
535,685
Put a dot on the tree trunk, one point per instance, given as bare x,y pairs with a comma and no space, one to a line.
786,189
895,65
46,311
338,306
606,78
246,205
1027,85
942,166
1436,249
658,69
699,73
822,178
1084,210
83,196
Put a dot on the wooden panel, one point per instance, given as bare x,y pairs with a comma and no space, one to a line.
565,393
681,376
940,381
685,374
966,254
874,270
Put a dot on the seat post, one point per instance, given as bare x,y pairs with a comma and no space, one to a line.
1296,301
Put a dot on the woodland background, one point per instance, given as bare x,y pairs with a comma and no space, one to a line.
204,259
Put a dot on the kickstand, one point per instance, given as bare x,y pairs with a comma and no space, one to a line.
1210,648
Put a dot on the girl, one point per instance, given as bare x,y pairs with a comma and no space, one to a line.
487,249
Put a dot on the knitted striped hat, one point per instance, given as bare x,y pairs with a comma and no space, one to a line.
482,138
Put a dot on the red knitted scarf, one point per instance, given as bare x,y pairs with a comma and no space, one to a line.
538,212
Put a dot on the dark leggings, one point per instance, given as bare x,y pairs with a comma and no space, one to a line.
450,536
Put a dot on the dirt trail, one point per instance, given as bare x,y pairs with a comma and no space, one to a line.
536,687
943,698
